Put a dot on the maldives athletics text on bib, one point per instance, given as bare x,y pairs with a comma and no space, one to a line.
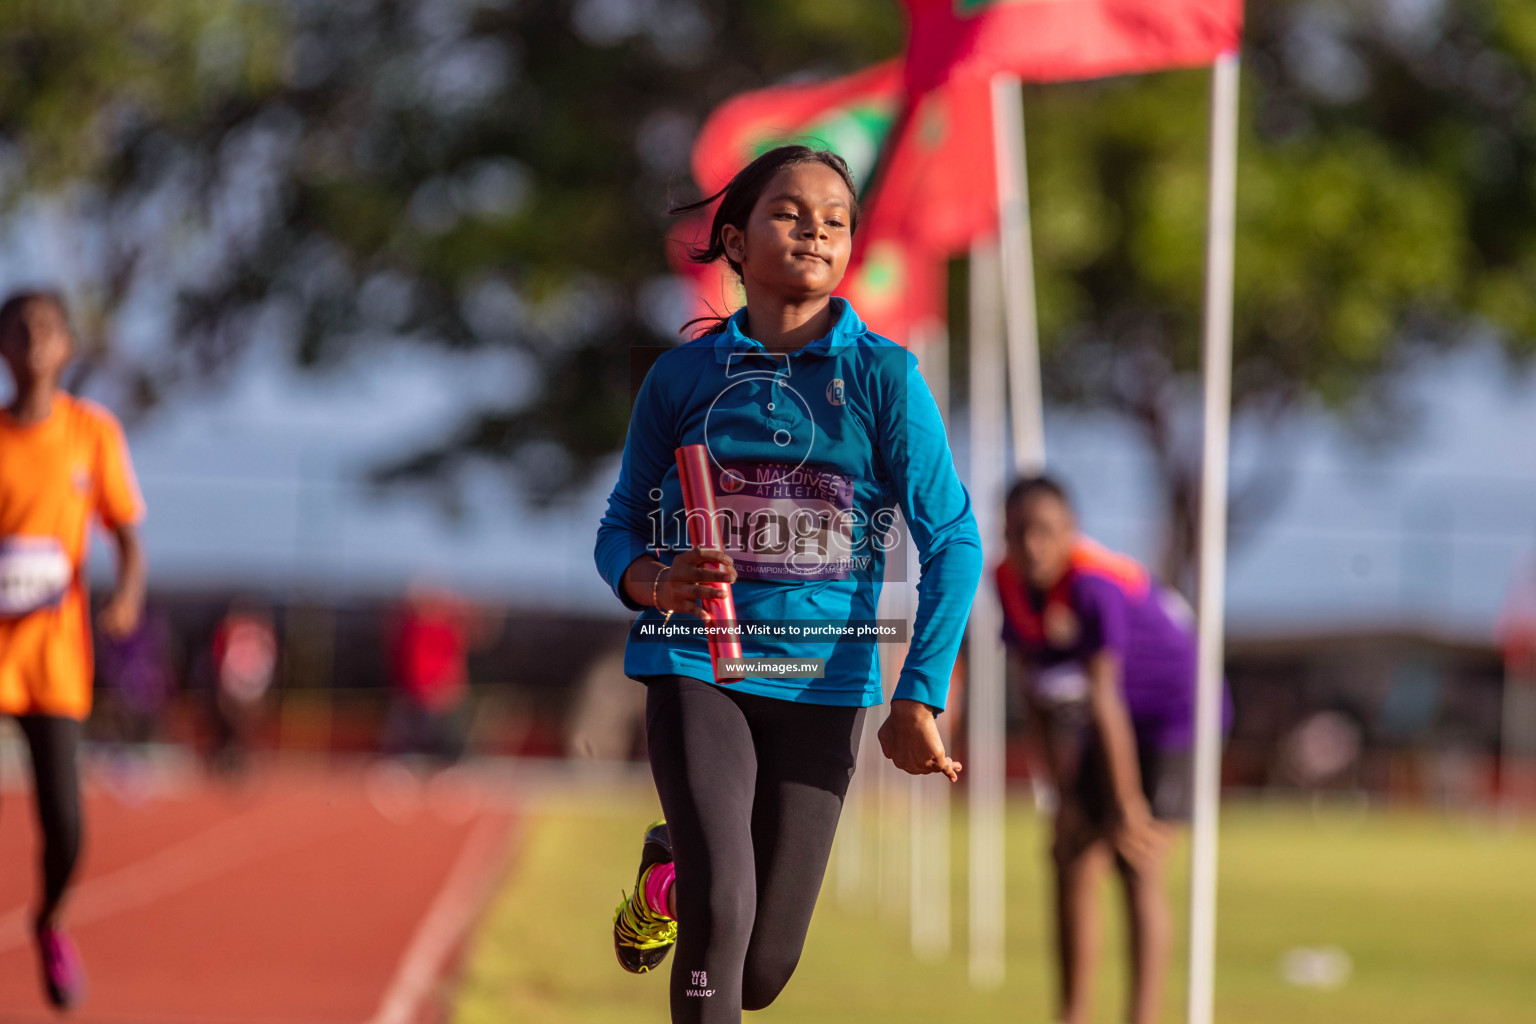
785,522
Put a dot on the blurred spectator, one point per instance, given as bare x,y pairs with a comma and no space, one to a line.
244,660
429,643
1516,628
1324,750
136,669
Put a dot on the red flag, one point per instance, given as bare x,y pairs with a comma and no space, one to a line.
1058,40
938,187
850,116
938,183
897,289
895,280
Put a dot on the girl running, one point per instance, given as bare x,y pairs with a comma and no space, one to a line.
1109,658
818,432
62,462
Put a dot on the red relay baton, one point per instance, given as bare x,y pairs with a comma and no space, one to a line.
704,532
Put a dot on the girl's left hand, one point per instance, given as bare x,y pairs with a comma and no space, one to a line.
910,738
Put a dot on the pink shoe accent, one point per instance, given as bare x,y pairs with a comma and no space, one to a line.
658,888
63,973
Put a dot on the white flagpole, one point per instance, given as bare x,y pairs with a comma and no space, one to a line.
1217,372
930,817
1028,418
984,668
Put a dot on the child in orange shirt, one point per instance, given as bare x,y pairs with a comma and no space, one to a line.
62,461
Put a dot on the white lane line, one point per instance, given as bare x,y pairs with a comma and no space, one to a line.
226,845
463,894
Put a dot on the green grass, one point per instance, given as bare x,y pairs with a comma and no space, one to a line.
1438,915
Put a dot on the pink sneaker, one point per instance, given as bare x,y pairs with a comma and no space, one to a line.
63,975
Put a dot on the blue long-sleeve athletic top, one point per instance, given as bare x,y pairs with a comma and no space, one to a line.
812,453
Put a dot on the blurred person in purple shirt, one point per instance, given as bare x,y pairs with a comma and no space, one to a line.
137,668
1108,657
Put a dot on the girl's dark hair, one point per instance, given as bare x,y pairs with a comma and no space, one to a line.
17,302
1031,485
741,194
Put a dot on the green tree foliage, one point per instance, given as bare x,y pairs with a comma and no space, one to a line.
326,175
455,172
99,101
1385,208
77,77
323,174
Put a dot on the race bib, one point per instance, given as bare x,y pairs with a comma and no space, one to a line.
784,522
35,573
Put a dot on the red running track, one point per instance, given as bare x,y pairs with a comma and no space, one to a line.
301,898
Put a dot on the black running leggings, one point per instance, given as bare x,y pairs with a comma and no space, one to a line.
752,788
54,743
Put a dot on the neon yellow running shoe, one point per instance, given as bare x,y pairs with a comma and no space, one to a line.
641,937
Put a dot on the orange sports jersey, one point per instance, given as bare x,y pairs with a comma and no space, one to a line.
54,476
1092,557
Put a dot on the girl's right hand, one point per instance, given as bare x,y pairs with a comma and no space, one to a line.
692,578
909,736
